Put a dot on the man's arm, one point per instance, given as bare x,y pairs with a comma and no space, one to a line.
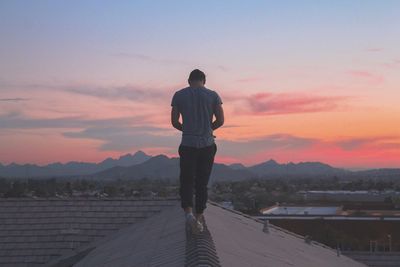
219,117
175,118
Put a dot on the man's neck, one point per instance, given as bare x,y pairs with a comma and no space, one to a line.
197,85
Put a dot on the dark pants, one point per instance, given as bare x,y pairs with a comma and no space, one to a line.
195,169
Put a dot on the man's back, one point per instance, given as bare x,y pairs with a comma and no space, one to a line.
197,106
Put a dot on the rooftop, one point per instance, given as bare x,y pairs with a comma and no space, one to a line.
35,231
327,212
151,232
302,210
354,192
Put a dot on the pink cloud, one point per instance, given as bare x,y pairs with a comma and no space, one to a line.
369,76
285,103
392,64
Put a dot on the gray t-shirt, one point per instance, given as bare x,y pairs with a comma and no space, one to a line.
197,106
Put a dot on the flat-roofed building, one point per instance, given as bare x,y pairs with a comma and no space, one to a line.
302,210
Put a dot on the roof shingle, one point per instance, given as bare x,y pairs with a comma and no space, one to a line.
36,231
131,232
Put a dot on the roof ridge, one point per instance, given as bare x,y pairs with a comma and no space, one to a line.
200,249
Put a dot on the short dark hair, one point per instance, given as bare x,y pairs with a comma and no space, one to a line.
197,75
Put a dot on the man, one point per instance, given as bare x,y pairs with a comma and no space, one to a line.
197,105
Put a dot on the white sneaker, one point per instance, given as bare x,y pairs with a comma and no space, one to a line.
191,221
199,226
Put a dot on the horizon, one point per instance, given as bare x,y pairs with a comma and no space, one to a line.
170,157
300,81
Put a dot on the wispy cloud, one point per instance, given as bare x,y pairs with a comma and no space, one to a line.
375,141
164,61
393,64
352,144
367,75
250,104
118,134
285,103
120,92
374,49
148,58
16,120
278,141
16,99
127,137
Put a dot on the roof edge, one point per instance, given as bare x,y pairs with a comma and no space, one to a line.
272,226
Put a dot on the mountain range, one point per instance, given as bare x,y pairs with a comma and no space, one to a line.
71,168
140,165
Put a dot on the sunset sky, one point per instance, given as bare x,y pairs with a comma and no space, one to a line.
299,80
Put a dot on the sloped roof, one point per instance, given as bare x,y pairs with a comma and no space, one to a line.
240,241
36,231
230,239
145,232
157,241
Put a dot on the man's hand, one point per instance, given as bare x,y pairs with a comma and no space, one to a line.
175,118
219,117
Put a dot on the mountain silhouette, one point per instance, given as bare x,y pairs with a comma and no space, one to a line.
162,167
237,166
70,168
271,167
140,165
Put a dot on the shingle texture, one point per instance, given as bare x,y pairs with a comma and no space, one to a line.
230,239
162,240
240,242
36,231
158,241
129,232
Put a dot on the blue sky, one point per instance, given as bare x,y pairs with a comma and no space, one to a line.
297,70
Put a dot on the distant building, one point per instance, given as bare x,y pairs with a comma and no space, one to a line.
347,195
301,210
355,229
343,212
